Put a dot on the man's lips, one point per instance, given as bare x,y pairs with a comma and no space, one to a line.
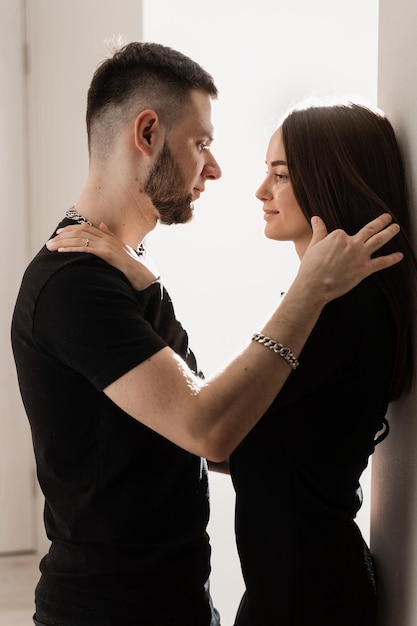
197,193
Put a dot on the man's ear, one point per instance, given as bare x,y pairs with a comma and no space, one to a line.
147,131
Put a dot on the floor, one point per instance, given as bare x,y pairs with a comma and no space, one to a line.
18,577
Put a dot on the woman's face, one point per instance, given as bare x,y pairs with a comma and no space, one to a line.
283,216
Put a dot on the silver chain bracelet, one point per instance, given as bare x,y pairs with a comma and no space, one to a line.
278,348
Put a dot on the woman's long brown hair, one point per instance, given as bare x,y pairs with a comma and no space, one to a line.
345,165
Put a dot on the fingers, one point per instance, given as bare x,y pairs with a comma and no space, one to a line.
73,229
379,239
77,238
73,244
371,238
382,262
374,227
319,229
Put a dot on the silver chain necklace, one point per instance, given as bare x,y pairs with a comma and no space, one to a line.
72,214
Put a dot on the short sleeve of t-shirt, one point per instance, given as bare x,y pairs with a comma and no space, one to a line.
88,317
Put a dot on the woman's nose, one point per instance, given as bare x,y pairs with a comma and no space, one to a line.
261,192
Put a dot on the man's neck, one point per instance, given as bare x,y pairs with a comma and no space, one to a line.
128,217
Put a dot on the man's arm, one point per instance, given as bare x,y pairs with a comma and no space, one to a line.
210,418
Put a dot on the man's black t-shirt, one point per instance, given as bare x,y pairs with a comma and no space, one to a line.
125,509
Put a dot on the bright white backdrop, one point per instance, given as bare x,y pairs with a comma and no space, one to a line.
223,274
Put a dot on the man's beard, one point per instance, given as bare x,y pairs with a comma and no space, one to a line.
165,187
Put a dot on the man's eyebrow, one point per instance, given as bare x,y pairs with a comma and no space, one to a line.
207,132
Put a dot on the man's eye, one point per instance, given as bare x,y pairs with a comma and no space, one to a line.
203,146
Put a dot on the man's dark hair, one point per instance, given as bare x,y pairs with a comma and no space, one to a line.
140,76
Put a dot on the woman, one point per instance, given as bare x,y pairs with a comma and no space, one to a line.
297,477
297,473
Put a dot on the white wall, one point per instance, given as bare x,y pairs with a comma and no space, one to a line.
66,43
394,480
223,274
16,465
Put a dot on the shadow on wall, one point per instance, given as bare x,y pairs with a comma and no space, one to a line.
393,516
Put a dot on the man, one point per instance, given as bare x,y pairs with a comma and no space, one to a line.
120,418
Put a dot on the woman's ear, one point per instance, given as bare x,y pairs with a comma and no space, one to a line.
147,130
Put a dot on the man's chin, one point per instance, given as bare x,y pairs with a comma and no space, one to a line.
180,217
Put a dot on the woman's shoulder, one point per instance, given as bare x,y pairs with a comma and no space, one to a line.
367,298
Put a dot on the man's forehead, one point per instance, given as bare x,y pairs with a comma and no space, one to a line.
199,121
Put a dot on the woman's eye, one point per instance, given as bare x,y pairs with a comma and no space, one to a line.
281,176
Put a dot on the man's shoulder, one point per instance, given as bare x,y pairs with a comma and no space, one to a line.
69,268
55,284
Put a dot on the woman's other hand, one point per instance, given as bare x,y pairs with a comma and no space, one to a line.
104,244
